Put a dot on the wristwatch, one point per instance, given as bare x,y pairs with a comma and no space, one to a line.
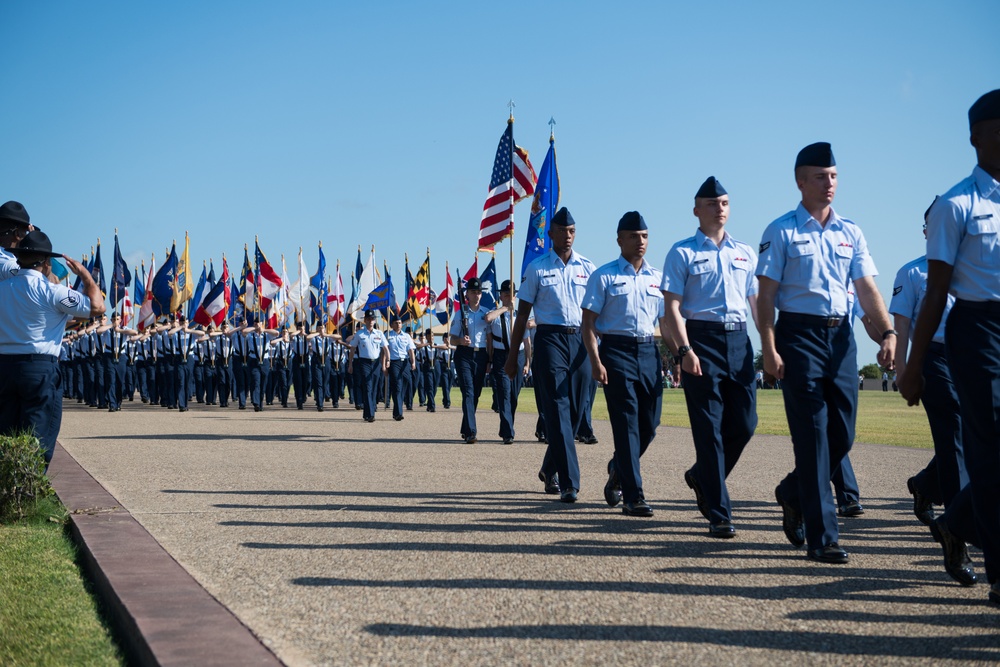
889,332
681,352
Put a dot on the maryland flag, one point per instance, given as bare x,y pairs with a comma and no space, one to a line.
419,298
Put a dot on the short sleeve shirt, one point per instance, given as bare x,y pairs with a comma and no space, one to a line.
712,281
814,264
963,231
369,344
908,292
400,345
555,289
35,313
627,302
478,329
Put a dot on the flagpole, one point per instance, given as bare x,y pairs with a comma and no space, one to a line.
510,121
430,324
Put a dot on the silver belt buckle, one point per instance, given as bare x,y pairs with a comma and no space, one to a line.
833,321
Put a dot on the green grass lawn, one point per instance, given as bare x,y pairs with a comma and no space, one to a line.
883,417
47,616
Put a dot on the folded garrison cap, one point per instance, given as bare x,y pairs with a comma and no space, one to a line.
562,217
986,107
632,222
710,189
816,155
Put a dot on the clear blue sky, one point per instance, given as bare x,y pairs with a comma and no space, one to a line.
377,123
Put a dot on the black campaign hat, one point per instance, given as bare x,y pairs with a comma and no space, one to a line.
15,212
632,222
505,286
986,107
369,313
474,283
819,154
710,189
35,242
563,217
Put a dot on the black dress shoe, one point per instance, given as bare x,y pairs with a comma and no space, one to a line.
568,496
613,489
723,529
551,483
831,553
638,508
508,441
923,508
956,555
319,408
589,440
539,436
791,521
471,440
699,499
399,418
851,510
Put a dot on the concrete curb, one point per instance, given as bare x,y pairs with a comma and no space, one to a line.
161,614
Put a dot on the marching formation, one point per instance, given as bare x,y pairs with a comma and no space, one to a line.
576,326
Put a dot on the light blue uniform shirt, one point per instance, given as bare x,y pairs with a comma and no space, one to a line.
399,345
35,312
555,290
815,265
627,303
908,292
111,339
505,320
8,264
712,281
963,230
368,344
258,346
478,329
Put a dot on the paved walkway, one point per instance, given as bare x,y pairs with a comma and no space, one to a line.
341,542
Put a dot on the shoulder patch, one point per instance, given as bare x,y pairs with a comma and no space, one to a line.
897,289
764,247
70,301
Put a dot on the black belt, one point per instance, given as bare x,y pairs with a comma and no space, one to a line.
29,357
826,321
716,326
984,306
470,348
553,328
614,339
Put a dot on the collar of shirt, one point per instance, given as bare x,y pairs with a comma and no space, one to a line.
626,267
701,240
984,182
804,217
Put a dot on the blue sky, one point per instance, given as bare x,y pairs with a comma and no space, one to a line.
377,123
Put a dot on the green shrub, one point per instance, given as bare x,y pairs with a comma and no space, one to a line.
22,476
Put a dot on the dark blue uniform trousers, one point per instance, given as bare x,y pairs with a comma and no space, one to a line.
429,381
471,367
223,379
506,391
945,474
183,374
240,375
722,407
972,339
845,484
634,394
563,370
320,380
368,373
31,398
114,379
444,381
300,379
820,389
398,385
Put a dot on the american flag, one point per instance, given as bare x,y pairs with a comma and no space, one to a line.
512,171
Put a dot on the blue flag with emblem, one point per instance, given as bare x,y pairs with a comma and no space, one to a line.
317,283
380,297
121,277
491,291
235,307
97,270
543,207
163,284
139,290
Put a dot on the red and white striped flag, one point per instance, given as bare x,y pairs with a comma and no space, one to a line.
513,179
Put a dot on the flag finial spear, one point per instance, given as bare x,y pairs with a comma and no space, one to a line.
552,129
511,105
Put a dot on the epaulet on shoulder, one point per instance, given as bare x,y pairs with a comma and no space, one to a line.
912,264
684,241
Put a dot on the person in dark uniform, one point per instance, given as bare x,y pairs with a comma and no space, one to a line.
622,305
32,323
114,343
963,259
506,390
443,369
223,362
471,358
553,286
206,349
708,280
809,258
402,359
320,345
338,371
369,349
241,363
281,350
